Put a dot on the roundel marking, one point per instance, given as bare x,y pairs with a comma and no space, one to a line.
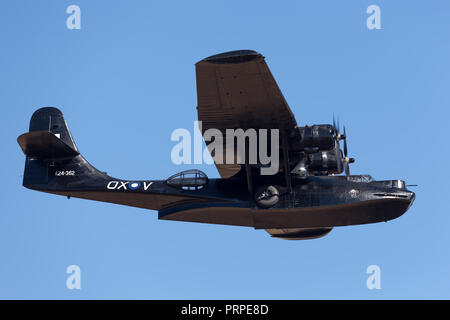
134,185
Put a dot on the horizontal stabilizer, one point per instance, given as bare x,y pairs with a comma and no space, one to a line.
44,145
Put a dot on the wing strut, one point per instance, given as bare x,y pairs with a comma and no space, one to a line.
248,169
248,172
287,173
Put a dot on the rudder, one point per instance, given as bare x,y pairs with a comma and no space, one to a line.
52,120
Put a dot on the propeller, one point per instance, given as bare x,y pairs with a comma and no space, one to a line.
338,154
346,159
343,158
337,149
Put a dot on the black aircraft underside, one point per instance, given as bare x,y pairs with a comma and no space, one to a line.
304,200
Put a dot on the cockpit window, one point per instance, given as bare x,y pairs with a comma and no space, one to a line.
188,180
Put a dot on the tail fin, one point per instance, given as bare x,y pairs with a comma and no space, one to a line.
51,153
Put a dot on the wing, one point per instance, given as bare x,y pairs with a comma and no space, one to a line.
237,90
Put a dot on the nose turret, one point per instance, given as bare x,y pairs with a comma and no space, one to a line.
399,184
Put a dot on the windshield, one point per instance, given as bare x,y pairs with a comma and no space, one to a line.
361,178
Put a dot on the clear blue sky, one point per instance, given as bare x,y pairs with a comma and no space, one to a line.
126,80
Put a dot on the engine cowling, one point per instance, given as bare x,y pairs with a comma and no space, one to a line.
325,162
318,137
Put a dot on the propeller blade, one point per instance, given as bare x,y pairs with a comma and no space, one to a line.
347,169
334,127
338,153
345,144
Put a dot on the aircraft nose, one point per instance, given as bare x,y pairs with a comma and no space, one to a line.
395,203
411,198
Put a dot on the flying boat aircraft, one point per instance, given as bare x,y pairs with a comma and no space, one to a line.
311,193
